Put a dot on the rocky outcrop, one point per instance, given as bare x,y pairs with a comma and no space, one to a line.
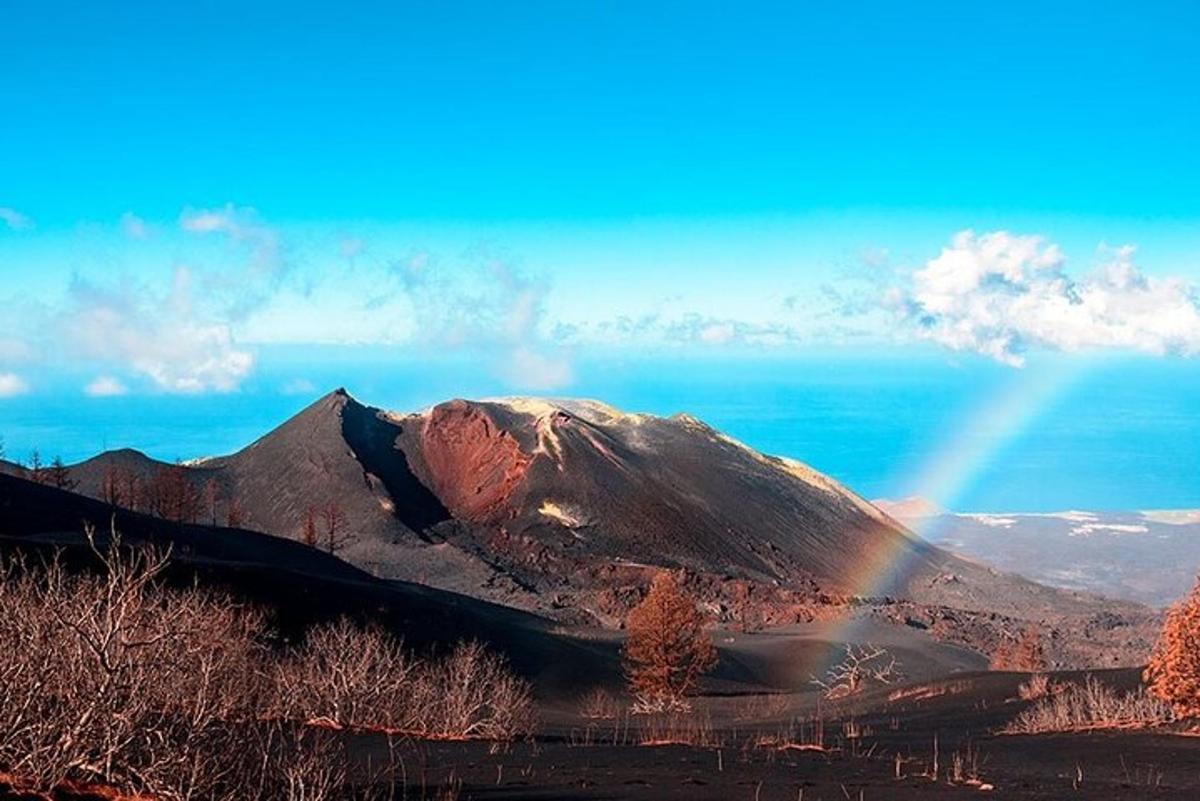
475,468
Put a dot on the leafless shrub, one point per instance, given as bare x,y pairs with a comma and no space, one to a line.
861,667
347,676
966,764
599,704
1091,705
312,766
922,692
472,693
763,706
351,677
1037,687
108,678
111,678
807,734
680,728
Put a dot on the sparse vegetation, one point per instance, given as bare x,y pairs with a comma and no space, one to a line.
599,704
109,677
1038,686
1091,705
667,649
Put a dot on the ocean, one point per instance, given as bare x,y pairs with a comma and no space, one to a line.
1121,434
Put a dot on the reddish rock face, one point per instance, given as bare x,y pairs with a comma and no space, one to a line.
474,467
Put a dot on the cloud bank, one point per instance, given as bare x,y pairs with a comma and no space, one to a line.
1001,294
12,385
161,338
105,386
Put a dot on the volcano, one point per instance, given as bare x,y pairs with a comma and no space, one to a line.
565,507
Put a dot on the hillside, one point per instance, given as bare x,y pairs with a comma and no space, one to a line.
1150,557
565,507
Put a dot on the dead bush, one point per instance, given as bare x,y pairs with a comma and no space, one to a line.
111,678
680,728
600,704
1037,687
352,677
861,667
1091,705
108,678
348,676
472,693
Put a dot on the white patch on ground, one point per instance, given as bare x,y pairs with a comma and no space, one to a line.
993,521
562,513
548,443
593,411
1073,516
1172,517
199,461
1087,529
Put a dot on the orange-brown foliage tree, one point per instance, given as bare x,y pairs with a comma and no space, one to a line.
1174,670
667,649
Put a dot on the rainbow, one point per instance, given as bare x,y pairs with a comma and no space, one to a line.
974,443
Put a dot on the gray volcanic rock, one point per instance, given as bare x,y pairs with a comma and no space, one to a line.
566,507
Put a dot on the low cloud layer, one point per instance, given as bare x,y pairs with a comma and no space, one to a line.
12,385
105,386
161,338
1001,295
490,307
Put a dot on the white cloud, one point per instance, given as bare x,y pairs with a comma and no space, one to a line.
163,338
105,386
14,219
1000,294
134,226
298,386
12,385
241,225
528,368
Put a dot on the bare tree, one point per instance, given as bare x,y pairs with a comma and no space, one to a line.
172,495
212,499
309,533
235,513
59,475
334,520
36,471
861,666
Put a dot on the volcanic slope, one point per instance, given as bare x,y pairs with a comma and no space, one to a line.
564,507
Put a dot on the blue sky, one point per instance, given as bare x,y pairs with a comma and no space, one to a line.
531,197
